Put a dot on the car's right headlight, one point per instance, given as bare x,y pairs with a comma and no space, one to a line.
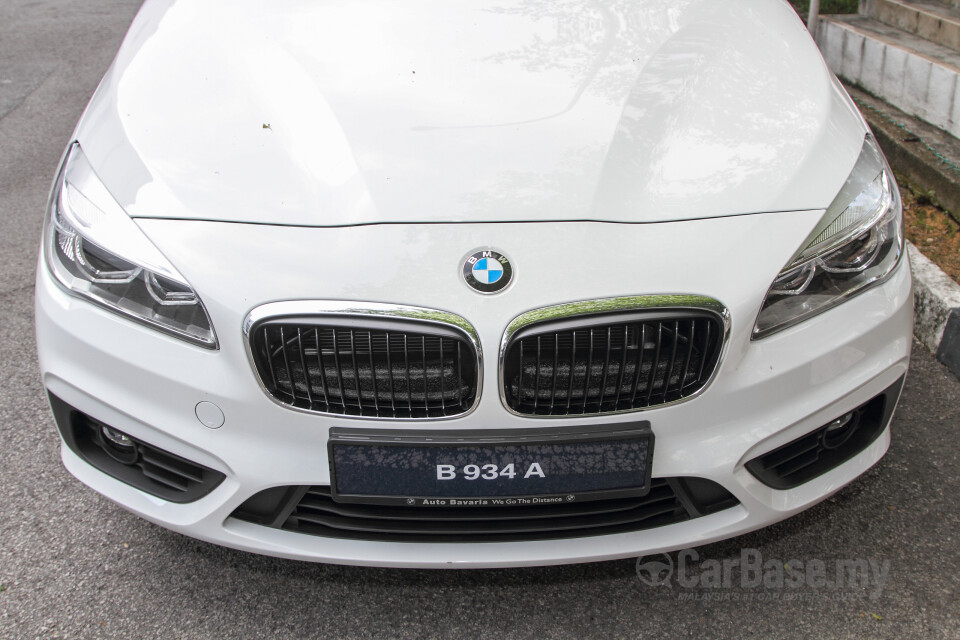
96,251
856,245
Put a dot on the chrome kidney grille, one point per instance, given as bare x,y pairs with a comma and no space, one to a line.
368,367
610,363
585,358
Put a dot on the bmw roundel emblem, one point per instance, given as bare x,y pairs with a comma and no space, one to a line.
487,271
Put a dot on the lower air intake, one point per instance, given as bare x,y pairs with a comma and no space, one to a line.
829,446
141,465
311,511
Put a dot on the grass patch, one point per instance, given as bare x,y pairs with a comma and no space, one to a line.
826,6
931,229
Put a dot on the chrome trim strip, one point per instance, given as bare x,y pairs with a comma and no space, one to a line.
348,308
613,305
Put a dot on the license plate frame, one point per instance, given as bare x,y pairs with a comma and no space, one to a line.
632,444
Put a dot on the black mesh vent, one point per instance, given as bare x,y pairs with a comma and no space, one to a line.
829,446
144,466
391,370
312,511
610,364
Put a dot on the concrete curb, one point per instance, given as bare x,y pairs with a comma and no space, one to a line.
936,309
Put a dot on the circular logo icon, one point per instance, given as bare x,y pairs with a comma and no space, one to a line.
654,572
487,271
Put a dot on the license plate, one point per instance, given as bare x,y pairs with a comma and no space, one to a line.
520,467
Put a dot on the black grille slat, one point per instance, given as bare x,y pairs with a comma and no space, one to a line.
425,368
385,371
673,360
356,368
182,469
273,374
556,373
606,369
799,462
443,403
406,364
586,380
783,456
623,367
292,383
686,362
639,365
339,370
656,364
572,362
373,373
706,342
312,511
536,382
303,363
322,377
600,367
164,477
459,377
393,395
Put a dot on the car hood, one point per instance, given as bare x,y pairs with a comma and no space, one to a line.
342,113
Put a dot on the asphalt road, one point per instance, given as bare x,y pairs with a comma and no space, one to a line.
74,565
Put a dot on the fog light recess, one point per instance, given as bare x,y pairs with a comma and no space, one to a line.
827,447
137,463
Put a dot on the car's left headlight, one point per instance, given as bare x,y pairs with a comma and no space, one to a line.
856,245
96,251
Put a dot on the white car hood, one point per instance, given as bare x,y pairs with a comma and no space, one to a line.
340,113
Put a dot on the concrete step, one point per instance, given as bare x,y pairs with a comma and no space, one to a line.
929,20
918,76
923,154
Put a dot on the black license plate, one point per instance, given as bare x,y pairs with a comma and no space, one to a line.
520,467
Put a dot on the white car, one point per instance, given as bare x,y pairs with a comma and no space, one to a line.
471,284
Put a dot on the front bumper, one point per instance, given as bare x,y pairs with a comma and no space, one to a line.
766,393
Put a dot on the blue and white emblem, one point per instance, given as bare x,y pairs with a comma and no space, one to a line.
487,271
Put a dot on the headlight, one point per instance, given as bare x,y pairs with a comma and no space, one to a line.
96,251
856,245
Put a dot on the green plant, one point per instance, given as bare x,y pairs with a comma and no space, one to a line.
827,6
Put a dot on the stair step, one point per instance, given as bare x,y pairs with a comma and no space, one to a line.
927,156
931,21
920,77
